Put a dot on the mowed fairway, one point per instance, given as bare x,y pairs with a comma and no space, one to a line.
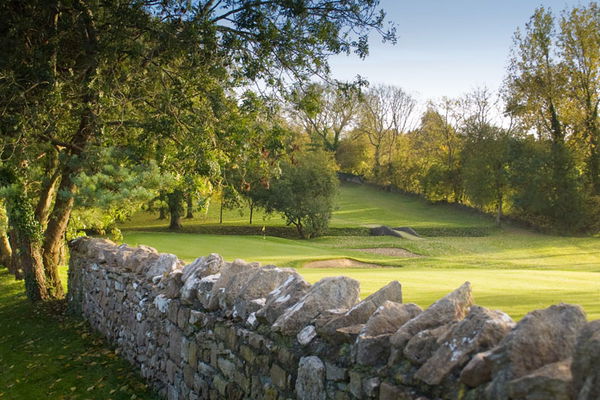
511,269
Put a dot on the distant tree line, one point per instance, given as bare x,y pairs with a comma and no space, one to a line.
535,159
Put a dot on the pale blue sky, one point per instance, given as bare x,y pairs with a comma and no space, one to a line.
445,47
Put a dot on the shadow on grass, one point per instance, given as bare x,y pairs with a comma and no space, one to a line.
289,232
47,354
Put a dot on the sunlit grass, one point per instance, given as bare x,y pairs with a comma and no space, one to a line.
512,269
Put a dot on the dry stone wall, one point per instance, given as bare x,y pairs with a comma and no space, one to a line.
214,329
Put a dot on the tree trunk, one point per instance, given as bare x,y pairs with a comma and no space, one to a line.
56,230
189,206
175,209
29,260
5,252
377,170
59,218
48,191
594,159
25,234
499,213
162,213
14,267
251,212
221,211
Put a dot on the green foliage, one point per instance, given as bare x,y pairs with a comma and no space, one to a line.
113,191
537,198
354,155
20,213
154,79
486,167
325,111
305,192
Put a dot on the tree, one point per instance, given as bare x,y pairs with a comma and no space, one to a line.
305,192
326,111
579,48
385,114
354,154
535,89
5,249
76,76
486,167
439,143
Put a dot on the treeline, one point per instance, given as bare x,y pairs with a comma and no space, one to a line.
531,152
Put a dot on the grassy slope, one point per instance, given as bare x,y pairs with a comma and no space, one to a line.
357,205
512,269
49,356
363,205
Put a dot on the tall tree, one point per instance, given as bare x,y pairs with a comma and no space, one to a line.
385,114
535,89
486,167
439,144
579,48
326,111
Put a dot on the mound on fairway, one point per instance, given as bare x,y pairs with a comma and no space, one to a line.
389,251
340,263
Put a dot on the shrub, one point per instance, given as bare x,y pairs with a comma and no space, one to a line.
305,192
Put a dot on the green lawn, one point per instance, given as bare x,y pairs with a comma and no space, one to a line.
503,278
512,269
357,206
47,355
360,205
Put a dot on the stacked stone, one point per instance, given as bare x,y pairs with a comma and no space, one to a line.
213,329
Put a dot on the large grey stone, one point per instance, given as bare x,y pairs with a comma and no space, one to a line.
282,297
172,285
424,344
227,275
586,362
163,266
250,285
452,307
389,317
372,345
481,330
372,350
193,274
100,250
141,258
331,292
310,384
306,335
204,288
542,337
552,381
202,266
478,370
360,313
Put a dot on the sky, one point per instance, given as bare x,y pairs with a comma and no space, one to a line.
445,47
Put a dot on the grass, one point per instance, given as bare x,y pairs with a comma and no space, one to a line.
45,354
511,269
502,278
357,207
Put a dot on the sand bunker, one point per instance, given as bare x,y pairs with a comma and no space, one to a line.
390,251
340,263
